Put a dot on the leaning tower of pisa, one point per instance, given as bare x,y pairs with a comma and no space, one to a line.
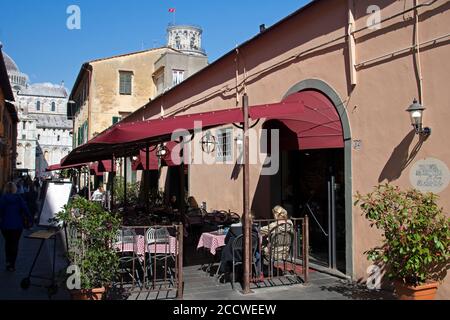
187,39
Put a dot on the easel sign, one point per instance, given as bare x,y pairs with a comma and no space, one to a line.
57,195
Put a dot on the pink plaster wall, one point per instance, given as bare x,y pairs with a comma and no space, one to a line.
375,107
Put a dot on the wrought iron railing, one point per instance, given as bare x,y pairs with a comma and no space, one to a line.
152,257
283,251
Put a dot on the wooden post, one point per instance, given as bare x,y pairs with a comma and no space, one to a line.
112,182
247,258
125,172
147,178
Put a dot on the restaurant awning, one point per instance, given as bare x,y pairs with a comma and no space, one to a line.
140,163
318,127
99,167
124,139
58,167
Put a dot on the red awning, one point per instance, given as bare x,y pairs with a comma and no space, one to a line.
124,138
140,163
58,167
318,127
99,167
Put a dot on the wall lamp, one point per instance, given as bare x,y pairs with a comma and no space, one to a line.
416,112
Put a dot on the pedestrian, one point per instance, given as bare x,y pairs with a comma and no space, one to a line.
14,217
31,197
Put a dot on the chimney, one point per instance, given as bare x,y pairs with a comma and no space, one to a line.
262,28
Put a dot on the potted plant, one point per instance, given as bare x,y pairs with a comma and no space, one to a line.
92,231
416,239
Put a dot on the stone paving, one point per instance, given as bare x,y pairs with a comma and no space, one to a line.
10,282
199,285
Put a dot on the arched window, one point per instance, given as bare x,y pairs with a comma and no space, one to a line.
53,106
38,105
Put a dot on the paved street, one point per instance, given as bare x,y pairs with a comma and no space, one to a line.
10,282
198,284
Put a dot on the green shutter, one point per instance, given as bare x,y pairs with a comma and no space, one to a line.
115,120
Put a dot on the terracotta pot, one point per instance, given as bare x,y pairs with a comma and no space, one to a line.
93,294
423,292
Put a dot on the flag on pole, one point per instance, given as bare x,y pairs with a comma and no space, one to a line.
172,10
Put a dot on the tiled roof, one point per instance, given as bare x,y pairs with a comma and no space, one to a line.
52,121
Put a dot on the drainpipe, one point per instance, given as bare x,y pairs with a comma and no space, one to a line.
351,43
417,61
88,69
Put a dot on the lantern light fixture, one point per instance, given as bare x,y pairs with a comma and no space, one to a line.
416,111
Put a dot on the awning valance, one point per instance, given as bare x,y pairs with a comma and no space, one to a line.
318,127
125,139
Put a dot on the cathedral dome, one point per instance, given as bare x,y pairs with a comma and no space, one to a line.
10,64
18,79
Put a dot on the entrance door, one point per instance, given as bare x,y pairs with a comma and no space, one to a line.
313,185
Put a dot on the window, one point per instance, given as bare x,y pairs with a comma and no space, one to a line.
126,79
39,137
177,77
24,125
24,137
59,138
116,119
224,143
38,105
53,106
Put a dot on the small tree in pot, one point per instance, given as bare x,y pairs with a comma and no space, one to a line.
416,238
92,231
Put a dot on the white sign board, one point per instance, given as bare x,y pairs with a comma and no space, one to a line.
57,196
430,175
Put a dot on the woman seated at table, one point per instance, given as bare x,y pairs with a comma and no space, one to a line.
193,207
282,225
227,252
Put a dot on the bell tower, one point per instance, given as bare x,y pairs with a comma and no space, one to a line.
185,38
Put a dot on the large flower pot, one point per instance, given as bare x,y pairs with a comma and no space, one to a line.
93,294
423,292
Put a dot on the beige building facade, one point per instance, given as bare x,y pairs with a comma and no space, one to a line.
370,59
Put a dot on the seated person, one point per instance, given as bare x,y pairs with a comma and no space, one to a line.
193,208
282,225
173,203
99,194
227,252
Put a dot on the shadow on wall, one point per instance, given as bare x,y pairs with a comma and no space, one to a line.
401,158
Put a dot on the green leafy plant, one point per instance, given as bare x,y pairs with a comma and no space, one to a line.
416,233
133,190
92,231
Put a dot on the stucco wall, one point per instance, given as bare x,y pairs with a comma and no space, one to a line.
106,102
375,106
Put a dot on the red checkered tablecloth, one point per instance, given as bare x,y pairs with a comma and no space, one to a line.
211,241
139,248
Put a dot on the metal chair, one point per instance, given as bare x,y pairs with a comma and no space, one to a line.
237,246
128,260
155,237
280,243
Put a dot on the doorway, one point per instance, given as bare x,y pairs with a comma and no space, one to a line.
312,183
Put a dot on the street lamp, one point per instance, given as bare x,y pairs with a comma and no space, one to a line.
162,151
208,143
416,113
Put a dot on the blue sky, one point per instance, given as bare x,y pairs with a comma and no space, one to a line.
35,35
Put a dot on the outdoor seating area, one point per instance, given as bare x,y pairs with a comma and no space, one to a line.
155,247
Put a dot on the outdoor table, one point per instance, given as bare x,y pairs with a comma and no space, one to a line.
212,241
160,248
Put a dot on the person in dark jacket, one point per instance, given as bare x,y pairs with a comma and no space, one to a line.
227,252
13,216
31,198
